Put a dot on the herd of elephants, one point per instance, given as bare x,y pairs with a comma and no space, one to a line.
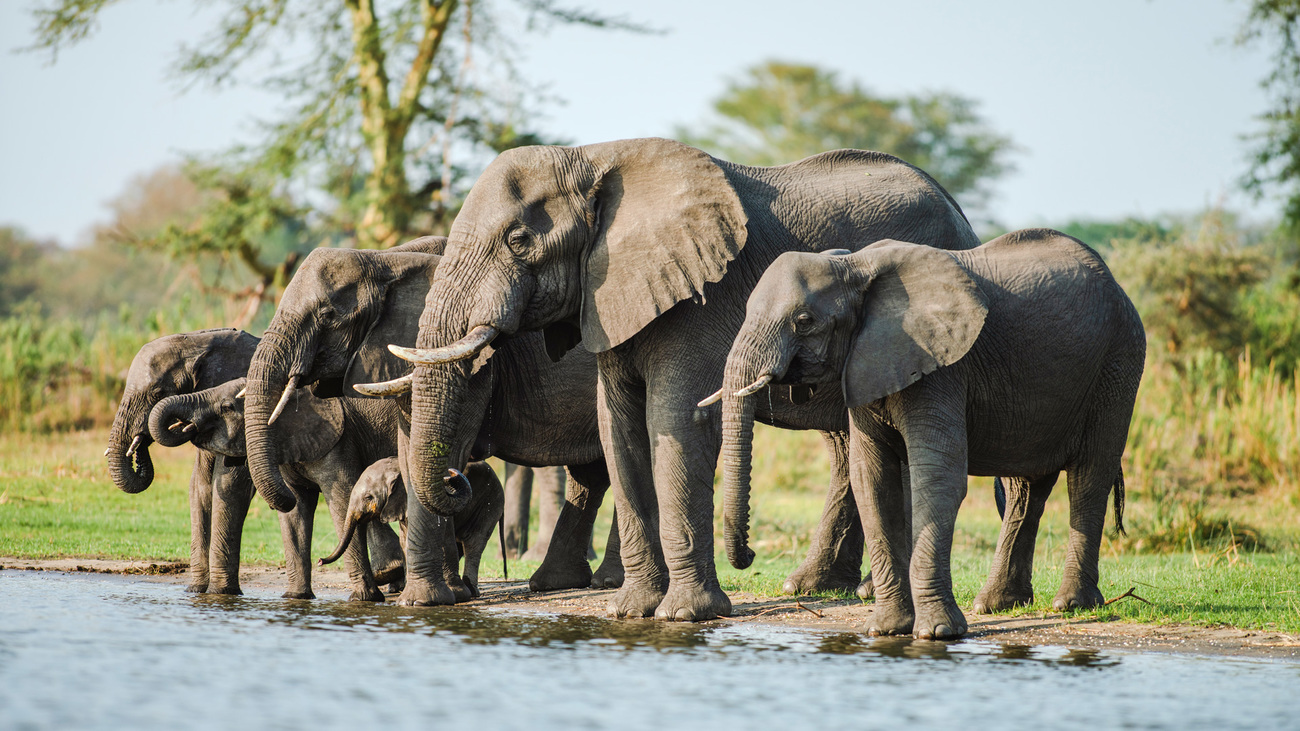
583,312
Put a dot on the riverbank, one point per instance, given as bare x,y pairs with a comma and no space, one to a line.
821,614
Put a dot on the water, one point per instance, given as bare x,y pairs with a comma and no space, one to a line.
95,651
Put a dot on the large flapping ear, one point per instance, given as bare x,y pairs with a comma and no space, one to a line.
921,311
668,221
397,321
308,428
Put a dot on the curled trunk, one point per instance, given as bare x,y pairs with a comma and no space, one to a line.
436,414
131,473
354,521
268,375
168,412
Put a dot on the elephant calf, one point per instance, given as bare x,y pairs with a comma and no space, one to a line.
380,496
1018,358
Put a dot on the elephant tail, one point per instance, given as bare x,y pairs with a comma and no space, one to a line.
1118,494
501,538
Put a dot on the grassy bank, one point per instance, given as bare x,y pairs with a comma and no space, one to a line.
56,500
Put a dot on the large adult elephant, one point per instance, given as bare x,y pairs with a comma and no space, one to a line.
219,493
644,251
331,328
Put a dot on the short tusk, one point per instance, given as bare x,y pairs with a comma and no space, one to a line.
178,425
395,387
289,388
467,347
188,428
242,392
754,387
713,399
135,444
107,451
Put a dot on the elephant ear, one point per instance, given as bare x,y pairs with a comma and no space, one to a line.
309,427
668,221
397,321
921,311
395,506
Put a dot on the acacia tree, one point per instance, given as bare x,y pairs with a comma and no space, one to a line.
1276,155
781,112
380,95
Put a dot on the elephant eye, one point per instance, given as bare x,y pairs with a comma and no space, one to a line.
803,322
517,239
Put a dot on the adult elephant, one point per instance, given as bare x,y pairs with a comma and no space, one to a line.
331,328
219,494
644,251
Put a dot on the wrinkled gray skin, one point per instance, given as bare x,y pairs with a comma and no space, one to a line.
919,343
332,328
324,446
550,483
379,495
645,251
219,495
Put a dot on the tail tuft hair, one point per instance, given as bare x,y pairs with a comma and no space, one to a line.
1118,494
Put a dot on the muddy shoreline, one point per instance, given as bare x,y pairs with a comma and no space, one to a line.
823,615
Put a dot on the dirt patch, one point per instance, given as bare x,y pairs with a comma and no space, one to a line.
822,615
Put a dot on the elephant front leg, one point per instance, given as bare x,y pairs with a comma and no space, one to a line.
427,572
609,574
232,493
621,413
200,521
881,496
834,560
387,559
295,532
550,483
519,495
356,558
565,565
1010,582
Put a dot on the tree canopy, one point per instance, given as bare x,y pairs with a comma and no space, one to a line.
1275,164
781,112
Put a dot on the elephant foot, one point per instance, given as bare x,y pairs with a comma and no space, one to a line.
693,603
228,590
635,601
422,593
939,620
1074,596
393,574
866,589
196,588
292,594
370,594
819,576
999,598
396,586
472,585
609,575
890,618
555,575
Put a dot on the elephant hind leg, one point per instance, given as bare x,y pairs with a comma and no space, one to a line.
1010,582
834,560
200,521
565,565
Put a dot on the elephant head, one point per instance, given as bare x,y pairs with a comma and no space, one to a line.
379,494
875,322
589,244
330,331
170,365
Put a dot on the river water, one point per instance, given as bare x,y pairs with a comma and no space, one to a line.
99,651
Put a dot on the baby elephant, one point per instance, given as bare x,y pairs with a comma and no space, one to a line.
1019,358
380,495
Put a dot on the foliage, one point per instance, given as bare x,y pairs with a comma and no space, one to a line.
381,95
1276,157
781,112
19,261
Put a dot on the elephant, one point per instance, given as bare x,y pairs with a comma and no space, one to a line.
219,494
550,482
1019,358
323,444
330,331
379,495
644,252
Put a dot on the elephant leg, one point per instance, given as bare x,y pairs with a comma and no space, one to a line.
356,558
565,565
1010,582
609,574
621,414
550,484
427,535
686,443
834,560
519,493
200,521
882,496
295,531
232,493
386,556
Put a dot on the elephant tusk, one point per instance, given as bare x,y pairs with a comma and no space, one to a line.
135,444
395,387
178,425
188,428
467,347
242,392
712,399
754,387
107,450
284,399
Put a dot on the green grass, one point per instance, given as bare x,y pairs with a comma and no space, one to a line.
56,500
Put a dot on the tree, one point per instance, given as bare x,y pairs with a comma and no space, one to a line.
781,112
1276,155
382,95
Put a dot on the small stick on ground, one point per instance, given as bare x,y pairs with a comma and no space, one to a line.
814,612
1128,593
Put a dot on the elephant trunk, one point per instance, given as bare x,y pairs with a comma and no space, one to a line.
185,409
268,377
438,392
354,520
129,464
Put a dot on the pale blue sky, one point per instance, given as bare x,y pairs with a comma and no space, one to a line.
1121,107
